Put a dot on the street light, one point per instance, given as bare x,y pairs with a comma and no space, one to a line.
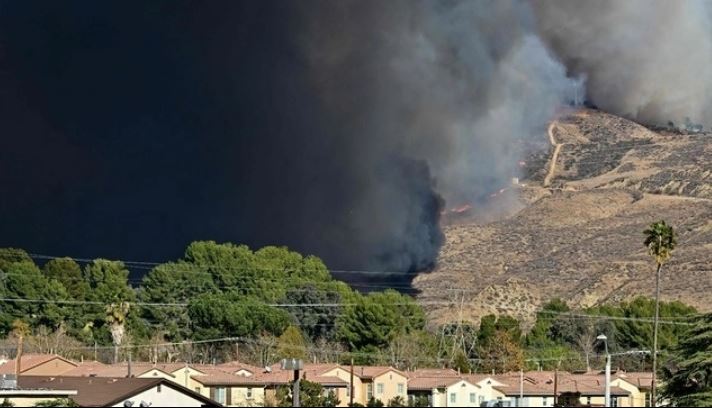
608,369
295,365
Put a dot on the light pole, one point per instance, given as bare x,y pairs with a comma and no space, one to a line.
295,365
608,369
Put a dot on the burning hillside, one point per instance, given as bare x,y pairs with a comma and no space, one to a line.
580,237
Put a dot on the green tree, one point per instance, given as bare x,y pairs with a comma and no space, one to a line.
541,335
311,394
6,403
108,282
172,283
232,315
660,242
23,281
11,255
69,274
318,317
420,401
374,403
461,362
291,344
372,321
490,325
688,377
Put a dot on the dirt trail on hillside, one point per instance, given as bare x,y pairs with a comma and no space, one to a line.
555,156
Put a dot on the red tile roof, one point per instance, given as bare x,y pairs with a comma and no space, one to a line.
30,361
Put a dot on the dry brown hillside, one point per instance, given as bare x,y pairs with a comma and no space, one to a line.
578,235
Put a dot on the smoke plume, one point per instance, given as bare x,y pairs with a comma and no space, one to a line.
460,87
647,60
338,128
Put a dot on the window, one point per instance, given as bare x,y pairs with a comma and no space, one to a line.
482,399
588,400
348,391
544,401
401,388
473,398
249,393
197,389
614,401
220,395
369,391
453,397
379,389
158,388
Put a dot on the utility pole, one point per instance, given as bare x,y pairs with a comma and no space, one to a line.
18,359
295,392
351,384
521,387
294,365
608,370
129,363
556,387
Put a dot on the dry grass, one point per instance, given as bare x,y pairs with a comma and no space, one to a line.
581,238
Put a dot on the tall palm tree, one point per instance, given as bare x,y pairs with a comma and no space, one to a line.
116,318
660,242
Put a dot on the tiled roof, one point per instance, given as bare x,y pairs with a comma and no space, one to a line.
30,361
642,380
220,377
86,368
370,372
101,392
427,383
542,384
234,366
122,369
431,372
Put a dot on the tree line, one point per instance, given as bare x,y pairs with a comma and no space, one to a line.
277,303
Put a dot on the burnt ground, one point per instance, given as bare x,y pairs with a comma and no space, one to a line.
581,238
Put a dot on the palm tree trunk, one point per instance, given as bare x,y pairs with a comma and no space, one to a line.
116,353
653,397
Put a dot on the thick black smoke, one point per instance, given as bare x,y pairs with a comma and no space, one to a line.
337,128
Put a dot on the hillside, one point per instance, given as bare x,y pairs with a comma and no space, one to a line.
577,231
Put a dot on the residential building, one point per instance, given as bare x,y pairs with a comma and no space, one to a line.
39,364
383,383
25,397
443,392
119,392
538,389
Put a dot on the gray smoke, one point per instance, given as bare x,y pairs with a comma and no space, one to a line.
453,92
648,60
461,85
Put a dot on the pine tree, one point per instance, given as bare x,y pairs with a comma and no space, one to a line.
688,378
